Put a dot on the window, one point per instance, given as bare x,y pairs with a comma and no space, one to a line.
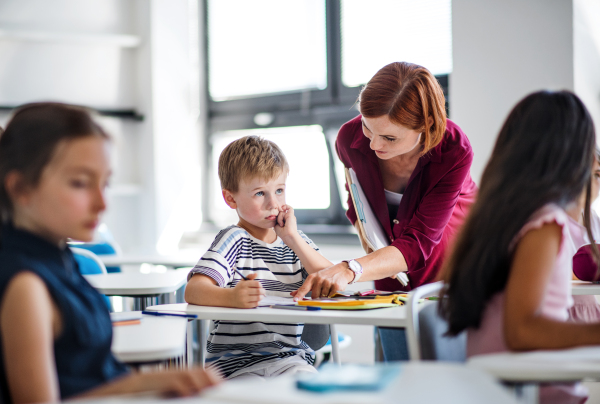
378,32
291,71
265,46
307,186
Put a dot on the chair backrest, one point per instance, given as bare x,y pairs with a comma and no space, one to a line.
316,335
425,329
89,263
100,248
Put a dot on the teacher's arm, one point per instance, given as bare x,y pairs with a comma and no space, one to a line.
411,249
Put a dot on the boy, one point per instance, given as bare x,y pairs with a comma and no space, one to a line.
268,250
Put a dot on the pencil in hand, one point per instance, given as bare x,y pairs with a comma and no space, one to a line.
240,274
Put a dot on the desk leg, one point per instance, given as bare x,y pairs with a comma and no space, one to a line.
525,393
202,339
189,345
335,349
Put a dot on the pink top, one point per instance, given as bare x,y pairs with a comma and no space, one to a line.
489,337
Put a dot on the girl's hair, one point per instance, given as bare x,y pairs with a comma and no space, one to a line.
543,154
408,94
31,137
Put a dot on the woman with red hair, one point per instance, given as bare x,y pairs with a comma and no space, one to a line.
414,167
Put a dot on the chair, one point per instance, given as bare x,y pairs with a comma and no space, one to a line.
316,335
90,264
100,248
425,329
103,244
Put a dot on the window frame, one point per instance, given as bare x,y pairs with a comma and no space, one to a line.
330,108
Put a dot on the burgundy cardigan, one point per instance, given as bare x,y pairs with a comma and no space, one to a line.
435,203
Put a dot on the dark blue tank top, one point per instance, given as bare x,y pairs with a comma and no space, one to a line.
82,351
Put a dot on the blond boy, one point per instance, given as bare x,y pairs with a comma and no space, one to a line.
269,251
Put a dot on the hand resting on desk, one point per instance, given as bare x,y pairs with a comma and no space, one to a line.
204,291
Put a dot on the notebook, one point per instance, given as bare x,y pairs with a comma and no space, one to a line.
367,220
353,377
365,303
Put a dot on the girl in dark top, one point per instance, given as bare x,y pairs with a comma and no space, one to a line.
55,332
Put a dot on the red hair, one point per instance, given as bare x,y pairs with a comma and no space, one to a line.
408,94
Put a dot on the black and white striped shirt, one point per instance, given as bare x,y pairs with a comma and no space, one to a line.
236,347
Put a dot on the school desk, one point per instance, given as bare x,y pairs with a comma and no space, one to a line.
388,317
174,262
532,368
417,382
584,288
155,339
139,285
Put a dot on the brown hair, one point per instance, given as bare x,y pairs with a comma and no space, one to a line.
30,139
249,157
408,94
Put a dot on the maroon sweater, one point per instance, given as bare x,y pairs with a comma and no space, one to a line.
436,200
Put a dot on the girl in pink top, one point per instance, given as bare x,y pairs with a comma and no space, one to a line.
509,275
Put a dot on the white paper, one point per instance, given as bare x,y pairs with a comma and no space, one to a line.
271,300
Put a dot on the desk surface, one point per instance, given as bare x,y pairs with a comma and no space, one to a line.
585,288
542,366
155,339
418,382
138,284
388,317
180,261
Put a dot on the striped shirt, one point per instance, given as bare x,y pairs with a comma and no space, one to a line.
236,347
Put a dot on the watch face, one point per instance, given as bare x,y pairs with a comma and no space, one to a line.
355,266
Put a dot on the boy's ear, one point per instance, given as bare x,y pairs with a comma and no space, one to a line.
16,188
229,199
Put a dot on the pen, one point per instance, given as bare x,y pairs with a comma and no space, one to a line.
292,307
240,274
158,313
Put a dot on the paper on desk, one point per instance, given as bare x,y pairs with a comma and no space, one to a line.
125,316
283,390
271,300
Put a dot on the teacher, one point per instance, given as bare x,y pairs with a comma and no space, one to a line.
414,167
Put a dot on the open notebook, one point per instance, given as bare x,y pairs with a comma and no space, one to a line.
367,221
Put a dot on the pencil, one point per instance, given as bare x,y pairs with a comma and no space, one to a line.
240,274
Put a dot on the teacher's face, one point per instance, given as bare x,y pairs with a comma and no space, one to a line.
388,139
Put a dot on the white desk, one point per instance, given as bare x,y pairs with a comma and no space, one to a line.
418,382
135,284
529,369
565,365
388,317
155,339
585,288
168,261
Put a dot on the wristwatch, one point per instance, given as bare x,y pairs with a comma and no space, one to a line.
355,267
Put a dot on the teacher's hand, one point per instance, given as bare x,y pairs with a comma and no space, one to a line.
325,282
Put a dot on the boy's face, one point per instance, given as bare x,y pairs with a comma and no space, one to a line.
257,201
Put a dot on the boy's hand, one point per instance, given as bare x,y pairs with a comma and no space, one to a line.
285,225
247,294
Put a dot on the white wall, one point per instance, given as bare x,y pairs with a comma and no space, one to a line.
586,21
119,54
503,50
